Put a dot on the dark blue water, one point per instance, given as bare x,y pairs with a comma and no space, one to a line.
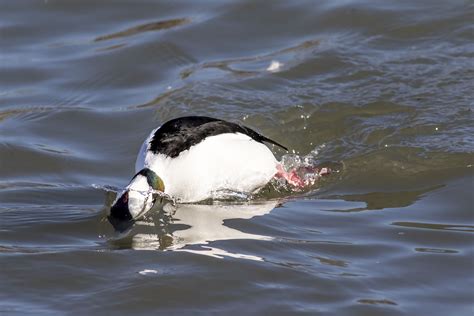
385,88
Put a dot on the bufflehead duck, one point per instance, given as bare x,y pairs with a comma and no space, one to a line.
190,158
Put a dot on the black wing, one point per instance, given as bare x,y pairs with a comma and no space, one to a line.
180,134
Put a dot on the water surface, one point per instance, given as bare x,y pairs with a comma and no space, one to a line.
385,87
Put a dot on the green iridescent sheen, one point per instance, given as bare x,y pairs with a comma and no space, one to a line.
154,180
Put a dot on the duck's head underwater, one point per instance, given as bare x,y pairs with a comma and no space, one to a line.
137,198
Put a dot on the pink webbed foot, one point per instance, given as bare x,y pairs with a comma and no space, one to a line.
301,177
290,176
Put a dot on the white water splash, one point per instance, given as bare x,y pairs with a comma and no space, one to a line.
307,169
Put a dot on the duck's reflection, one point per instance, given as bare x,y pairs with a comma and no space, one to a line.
190,227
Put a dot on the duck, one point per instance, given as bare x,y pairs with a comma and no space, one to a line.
190,158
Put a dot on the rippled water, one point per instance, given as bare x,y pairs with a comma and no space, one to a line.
384,87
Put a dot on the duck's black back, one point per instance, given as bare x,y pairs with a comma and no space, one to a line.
182,133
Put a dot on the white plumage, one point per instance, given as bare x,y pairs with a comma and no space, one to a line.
229,161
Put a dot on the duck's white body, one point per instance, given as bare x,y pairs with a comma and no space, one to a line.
229,161
192,159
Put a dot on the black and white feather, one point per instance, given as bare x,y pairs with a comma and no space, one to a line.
196,156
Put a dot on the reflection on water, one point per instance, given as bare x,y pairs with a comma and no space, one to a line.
148,27
188,227
458,228
383,200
